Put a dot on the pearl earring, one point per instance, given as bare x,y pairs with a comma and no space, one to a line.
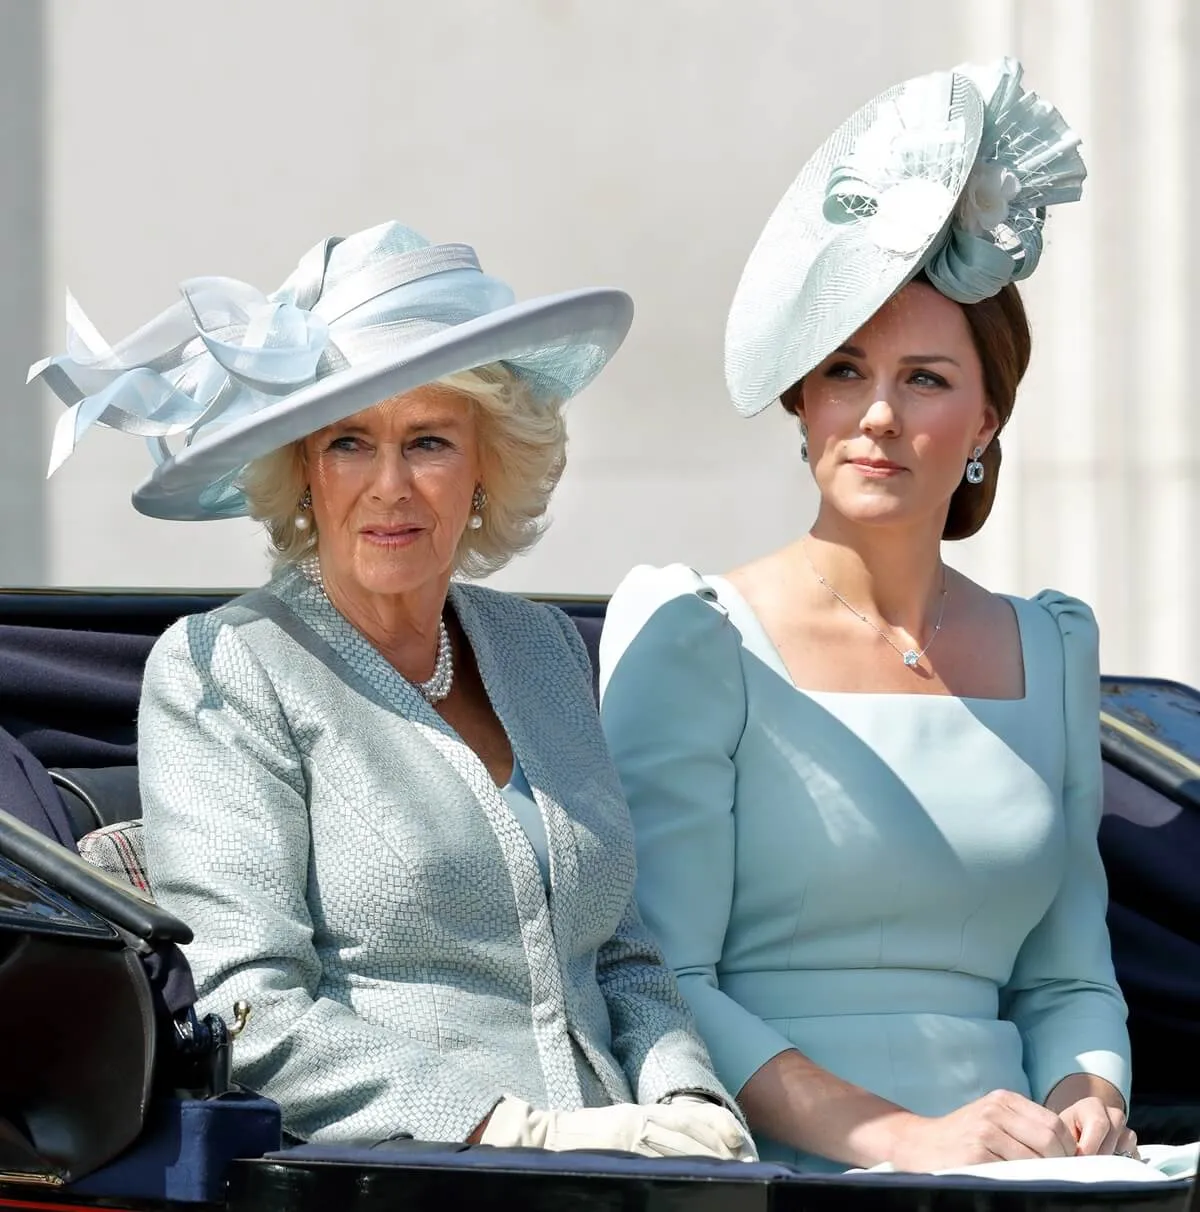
975,470
478,501
302,520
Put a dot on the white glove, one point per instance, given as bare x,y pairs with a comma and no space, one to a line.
686,1127
721,1119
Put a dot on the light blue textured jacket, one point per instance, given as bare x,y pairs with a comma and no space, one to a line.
351,870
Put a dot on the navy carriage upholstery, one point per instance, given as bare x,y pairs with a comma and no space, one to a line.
70,670
112,1083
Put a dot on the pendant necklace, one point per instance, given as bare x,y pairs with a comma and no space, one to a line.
910,656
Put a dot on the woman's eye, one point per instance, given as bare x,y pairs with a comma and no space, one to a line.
842,370
430,442
344,443
926,378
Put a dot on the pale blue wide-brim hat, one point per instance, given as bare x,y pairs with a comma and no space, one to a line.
949,174
229,374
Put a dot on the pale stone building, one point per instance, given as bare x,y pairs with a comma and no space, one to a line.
638,143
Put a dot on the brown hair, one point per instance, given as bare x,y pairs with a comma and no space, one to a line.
1000,331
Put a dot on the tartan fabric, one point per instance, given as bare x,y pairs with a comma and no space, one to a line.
119,851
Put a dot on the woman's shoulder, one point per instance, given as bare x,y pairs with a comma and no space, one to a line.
1072,616
671,597
1078,634
1056,630
534,633
501,608
1059,612
666,615
1062,620
202,639
647,587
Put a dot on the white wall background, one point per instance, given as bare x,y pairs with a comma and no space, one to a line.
638,143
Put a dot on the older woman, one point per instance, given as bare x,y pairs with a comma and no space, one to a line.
866,790
380,797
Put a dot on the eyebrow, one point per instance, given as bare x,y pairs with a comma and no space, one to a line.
450,421
852,351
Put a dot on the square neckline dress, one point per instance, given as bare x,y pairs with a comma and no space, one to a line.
907,888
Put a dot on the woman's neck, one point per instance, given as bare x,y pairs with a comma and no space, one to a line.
892,573
403,627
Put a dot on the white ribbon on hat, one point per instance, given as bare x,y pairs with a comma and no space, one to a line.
226,349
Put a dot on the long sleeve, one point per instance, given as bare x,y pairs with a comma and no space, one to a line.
673,706
654,1037
1062,995
224,792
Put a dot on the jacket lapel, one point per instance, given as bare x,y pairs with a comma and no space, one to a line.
361,662
508,658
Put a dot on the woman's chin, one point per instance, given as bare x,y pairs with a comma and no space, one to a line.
392,574
875,509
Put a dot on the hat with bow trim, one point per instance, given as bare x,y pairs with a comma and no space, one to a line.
231,374
948,174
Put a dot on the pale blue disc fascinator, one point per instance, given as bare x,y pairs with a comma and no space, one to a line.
230,374
949,174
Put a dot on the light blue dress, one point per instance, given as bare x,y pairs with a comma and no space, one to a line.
518,795
906,888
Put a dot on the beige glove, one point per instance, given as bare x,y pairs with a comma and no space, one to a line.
686,1127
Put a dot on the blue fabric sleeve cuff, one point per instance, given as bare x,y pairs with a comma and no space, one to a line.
1048,1064
739,1042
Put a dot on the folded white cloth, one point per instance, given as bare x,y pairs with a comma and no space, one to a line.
1159,1163
685,1127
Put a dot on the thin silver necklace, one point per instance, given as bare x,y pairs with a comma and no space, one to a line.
910,656
438,685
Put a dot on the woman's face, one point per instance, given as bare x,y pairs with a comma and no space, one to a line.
894,415
392,489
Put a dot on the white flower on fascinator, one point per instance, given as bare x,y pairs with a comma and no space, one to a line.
949,174
894,181
900,223
985,201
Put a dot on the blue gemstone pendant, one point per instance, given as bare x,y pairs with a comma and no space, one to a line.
911,657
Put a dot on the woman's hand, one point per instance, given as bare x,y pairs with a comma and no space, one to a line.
717,1116
1099,1128
1001,1126
683,1128
1094,1111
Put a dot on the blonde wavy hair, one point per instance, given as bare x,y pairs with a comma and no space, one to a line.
523,450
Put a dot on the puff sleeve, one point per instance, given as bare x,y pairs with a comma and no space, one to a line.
1062,994
673,706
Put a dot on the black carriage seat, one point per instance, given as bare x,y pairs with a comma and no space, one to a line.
95,797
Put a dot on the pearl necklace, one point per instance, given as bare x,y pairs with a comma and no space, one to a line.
437,687
910,656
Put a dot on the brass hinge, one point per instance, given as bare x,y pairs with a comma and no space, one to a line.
241,1013
32,1180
